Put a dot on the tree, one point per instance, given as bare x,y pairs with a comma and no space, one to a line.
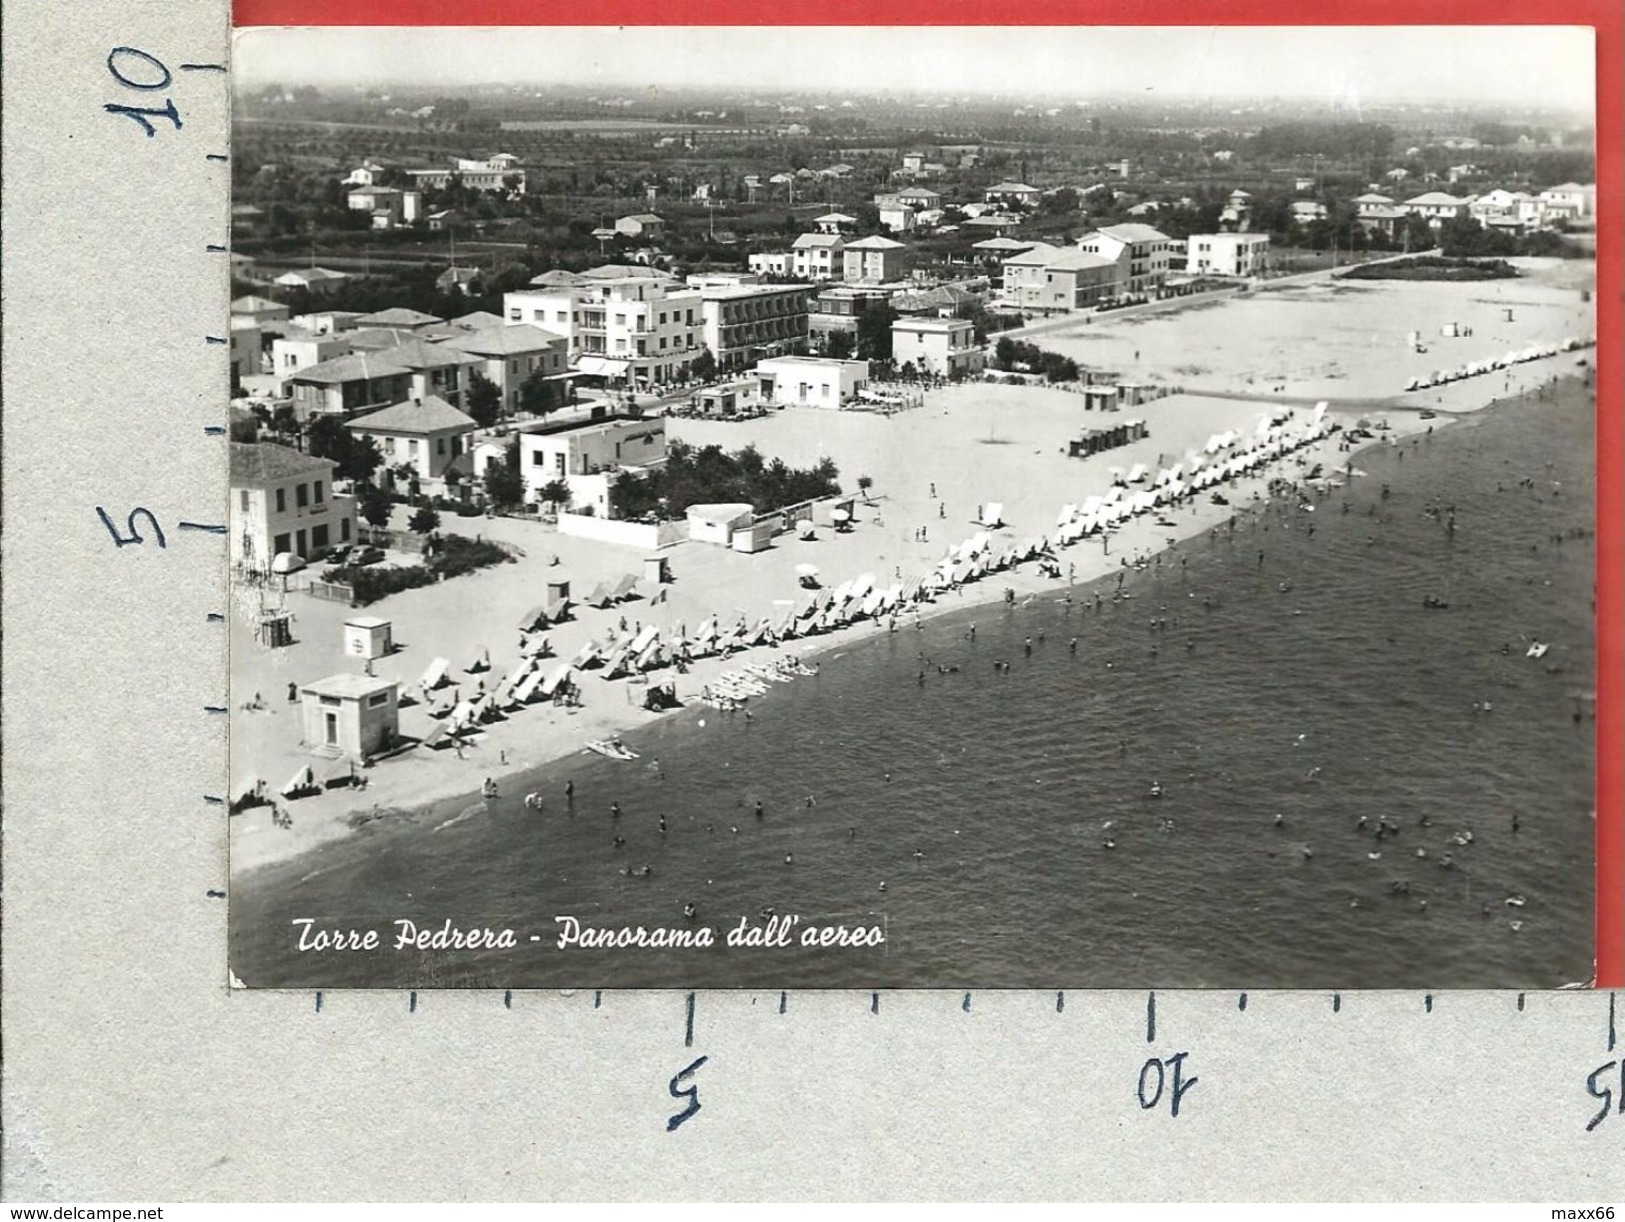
483,400
537,395
425,521
874,331
285,420
328,438
504,480
1004,354
555,492
375,505
864,484
245,429
704,366
838,344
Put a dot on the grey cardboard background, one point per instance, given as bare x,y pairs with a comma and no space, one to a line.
132,1072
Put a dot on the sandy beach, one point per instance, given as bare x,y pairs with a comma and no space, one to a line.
931,467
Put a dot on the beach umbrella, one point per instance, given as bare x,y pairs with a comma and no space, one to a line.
806,570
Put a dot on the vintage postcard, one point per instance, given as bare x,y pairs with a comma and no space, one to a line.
831,508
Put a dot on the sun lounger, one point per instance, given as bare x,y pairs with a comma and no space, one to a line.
533,619
525,689
302,779
558,676
436,674
626,587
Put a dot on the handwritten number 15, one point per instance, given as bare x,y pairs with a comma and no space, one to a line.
138,70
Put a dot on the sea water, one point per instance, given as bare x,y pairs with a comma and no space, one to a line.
998,824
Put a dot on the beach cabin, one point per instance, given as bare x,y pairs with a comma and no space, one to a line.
350,715
757,537
717,523
368,637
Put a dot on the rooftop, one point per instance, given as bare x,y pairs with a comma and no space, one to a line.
477,321
1436,199
874,242
1134,233
1007,188
350,686
809,240
255,305
814,362
309,275
354,367
731,292
397,316
599,425
268,463
1034,254
505,339
430,415
930,324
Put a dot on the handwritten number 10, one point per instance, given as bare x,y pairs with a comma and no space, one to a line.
138,70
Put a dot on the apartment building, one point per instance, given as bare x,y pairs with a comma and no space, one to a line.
745,322
1142,253
631,330
282,501
1048,280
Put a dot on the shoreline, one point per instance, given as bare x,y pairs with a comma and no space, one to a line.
1136,537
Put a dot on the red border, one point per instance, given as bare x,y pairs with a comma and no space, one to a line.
1603,17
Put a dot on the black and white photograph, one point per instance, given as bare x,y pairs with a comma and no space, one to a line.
834,508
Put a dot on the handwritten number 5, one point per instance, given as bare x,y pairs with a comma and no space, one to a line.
134,535
691,1093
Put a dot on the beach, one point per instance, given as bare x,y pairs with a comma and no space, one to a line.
1397,783
931,467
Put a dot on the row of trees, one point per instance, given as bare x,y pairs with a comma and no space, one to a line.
708,475
1014,354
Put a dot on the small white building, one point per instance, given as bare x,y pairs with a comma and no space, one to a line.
944,347
1226,254
816,256
810,381
772,263
717,523
368,637
348,714
582,453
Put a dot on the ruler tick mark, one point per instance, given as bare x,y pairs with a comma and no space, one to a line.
1151,1018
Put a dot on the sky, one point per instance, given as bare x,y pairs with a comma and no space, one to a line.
1521,65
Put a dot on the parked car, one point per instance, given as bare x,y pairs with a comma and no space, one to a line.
365,555
338,557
